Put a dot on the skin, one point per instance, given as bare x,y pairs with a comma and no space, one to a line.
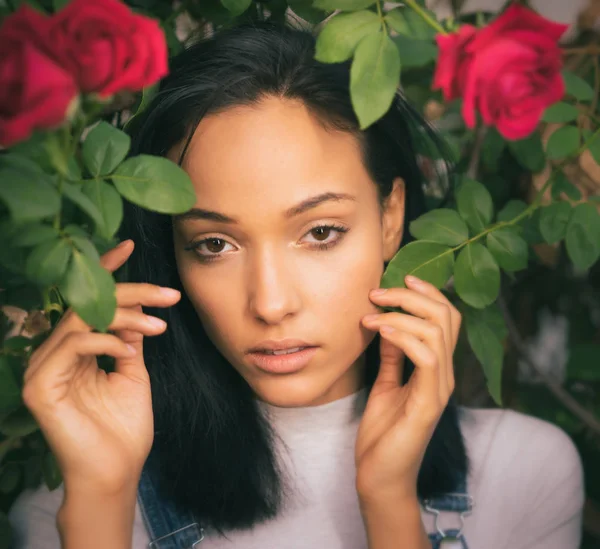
271,283
268,279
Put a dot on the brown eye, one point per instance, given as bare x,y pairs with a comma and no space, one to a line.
214,245
321,233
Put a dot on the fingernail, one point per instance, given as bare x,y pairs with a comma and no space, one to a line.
386,329
169,292
121,244
379,291
370,318
156,322
412,279
131,350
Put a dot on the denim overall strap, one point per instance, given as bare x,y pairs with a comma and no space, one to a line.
169,527
459,502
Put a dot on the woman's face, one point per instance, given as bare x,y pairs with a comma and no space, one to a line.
270,183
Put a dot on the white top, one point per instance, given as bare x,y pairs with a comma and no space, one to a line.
526,479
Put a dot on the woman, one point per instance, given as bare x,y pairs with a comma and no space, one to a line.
287,410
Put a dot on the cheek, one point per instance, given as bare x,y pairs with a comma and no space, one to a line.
344,291
214,300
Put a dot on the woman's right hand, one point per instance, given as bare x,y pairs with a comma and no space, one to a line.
99,426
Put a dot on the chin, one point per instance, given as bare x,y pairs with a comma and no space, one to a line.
298,390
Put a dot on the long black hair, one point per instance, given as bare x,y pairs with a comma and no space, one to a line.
214,447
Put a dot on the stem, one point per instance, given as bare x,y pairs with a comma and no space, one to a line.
426,17
534,204
61,180
477,148
555,388
596,84
380,13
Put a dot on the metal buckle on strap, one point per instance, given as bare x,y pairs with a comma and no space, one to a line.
151,545
462,514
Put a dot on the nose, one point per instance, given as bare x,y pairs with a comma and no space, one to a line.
272,290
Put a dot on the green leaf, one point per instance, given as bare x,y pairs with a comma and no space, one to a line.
583,236
104,149
10,392
148,93
509,250
374,77
345,5
428,261
414,52
75,195
51,472
155,183
109,203
86,246
512,209
584,362
476,276
492,147
340,36
59,4
90,290
561,184
406,21
28,194
34,234
236,7
593,145
577,87
529,152
483,339
444,226
531,228
305,10
474,204
563,142
47,262
553,221
19,423
560,113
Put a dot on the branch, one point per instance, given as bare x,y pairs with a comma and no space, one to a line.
473,169
561,394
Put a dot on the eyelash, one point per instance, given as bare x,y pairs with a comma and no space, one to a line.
320,246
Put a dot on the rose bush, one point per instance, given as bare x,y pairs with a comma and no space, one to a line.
108,47
509,71
35,90
101,47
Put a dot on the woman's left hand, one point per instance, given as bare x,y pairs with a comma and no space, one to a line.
399,420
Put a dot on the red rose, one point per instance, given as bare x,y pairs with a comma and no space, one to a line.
35,91
107,47
508,71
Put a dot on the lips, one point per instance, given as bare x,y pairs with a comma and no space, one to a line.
272,345
286,361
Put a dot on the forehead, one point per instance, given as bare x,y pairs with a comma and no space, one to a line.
275,153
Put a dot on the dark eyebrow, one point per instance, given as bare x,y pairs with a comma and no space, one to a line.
305,205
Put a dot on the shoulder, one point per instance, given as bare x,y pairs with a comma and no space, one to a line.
530,457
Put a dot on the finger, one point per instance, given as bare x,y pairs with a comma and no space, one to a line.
425,380
63,361
431,333
127,295
70,321
391,366
431,291
117,256
425,307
